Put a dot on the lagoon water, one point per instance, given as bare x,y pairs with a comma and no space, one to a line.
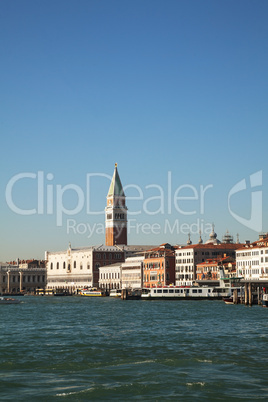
81,349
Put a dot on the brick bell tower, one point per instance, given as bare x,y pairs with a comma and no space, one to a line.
116,213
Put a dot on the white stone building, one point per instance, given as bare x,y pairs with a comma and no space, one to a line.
76,268
252,260
132,273
110,276
189,256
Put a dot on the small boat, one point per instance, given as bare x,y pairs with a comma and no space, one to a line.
92,292
115,292
9,300
62,292
228,300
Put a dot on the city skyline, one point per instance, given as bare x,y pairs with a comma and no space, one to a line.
175,93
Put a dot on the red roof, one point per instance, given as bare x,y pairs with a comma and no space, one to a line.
221,246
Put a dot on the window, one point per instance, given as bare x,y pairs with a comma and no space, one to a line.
51,265
81,265
64,265
58,265
119,216
74,264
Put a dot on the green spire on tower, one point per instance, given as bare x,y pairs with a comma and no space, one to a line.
116,188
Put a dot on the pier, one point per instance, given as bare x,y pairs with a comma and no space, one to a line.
253,291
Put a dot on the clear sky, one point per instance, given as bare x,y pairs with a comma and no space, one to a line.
175,92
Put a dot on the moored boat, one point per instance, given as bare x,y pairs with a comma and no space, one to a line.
62,292
115,293
180,293
187,293
228,300
225,289
265,300
92,292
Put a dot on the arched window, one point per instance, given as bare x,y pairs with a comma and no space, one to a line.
74,264
58,265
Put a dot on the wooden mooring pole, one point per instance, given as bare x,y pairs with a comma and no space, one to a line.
250,294
235,298
246,293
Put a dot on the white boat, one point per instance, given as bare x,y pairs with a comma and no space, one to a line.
115,292
188,293
92,292
265,300
9,300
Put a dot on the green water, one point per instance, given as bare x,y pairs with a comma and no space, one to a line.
81,349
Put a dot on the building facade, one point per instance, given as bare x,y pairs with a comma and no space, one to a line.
132,273
188,257
211,268
252,259
76,268
22,277
110,276
116,213
159,266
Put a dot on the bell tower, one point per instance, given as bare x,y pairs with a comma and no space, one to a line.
116,213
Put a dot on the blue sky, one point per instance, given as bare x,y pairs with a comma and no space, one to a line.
173,91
